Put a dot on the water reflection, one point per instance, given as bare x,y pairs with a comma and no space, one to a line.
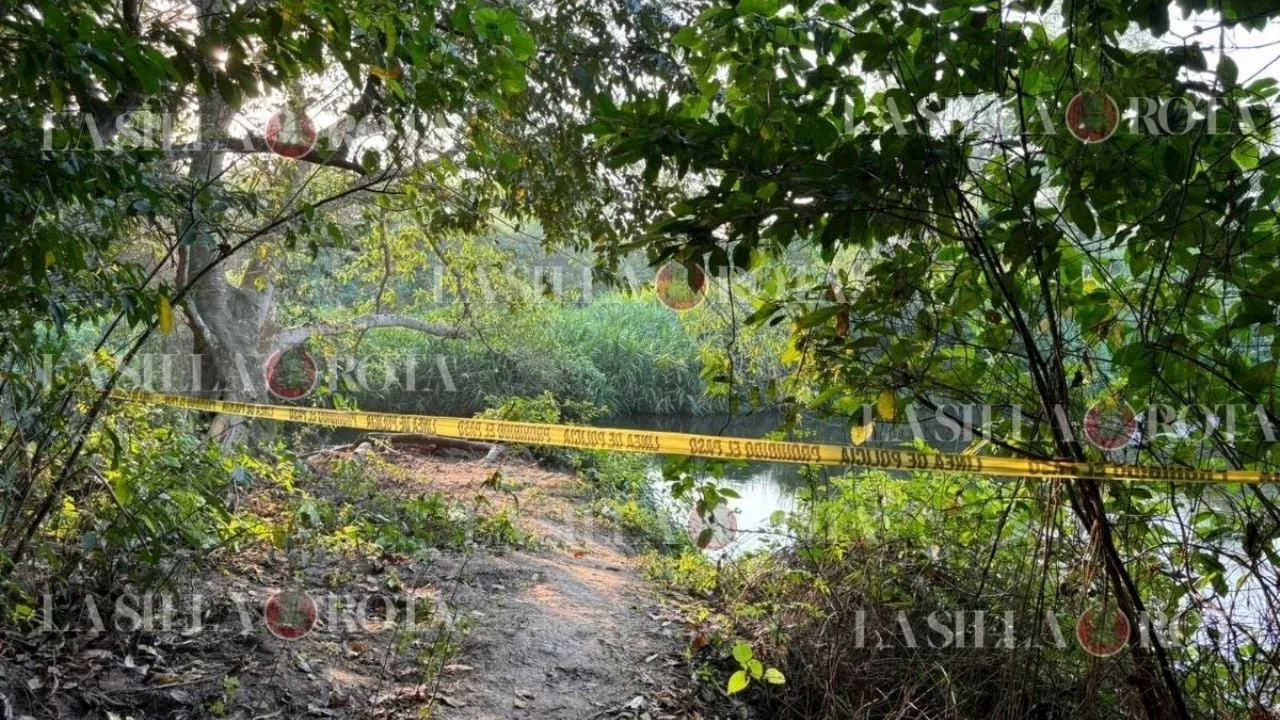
764,487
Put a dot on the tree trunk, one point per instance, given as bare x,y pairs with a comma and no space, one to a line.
226,321
233,335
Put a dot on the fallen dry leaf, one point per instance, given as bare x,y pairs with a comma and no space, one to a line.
451,702
699,641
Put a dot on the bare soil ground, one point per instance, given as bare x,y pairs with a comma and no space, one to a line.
570,631
565,629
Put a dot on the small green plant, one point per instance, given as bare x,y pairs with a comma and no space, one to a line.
751,669
690,571
230,687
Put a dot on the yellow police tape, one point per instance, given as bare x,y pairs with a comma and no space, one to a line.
707,446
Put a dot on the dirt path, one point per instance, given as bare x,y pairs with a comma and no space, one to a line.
570,630
567,628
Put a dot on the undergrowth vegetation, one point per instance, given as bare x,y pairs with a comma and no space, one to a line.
928,597
165,516
348,508
162,503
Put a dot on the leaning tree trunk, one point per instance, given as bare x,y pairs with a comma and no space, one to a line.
227,326
226,320
231,324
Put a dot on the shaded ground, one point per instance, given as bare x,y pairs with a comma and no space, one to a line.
563,629
567,631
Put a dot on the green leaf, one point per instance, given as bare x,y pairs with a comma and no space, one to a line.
742,653
768,8
523,46
833,12
1228,73
1080,215
1158,17
686,37
1258,378
513,78
1246,154
774,676
738,682
1254,310
817,317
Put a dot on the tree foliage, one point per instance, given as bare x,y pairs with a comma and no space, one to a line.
999,262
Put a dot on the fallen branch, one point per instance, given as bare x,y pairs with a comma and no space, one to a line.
336,449
430,444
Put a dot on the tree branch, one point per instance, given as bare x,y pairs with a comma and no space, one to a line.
294,336
254,144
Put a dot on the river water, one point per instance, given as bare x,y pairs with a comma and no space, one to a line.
764,487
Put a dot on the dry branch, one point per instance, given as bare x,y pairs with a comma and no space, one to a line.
430,444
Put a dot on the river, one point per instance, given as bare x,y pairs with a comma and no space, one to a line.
764,487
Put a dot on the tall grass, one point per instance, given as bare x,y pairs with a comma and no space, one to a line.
646,360
631,355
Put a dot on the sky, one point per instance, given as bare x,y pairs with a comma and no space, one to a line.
1256,53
